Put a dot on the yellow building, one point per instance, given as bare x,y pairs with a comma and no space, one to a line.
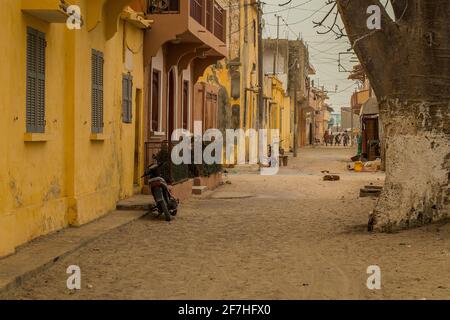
278,110
237,75
71,101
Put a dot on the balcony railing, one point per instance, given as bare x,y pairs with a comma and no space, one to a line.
160,152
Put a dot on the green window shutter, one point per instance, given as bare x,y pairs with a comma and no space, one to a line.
127,98
124,98
130,99
100,92
40,114
94,92
31,81
35,86
97,91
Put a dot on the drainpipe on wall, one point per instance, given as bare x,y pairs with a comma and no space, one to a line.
255,91
260,68
245,108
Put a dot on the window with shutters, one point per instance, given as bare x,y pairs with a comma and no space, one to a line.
185,104
97,91
35,94
156,105
127,98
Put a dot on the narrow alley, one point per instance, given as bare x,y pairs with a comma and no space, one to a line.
140,137
290,236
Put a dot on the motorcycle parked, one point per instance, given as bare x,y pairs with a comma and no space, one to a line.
165,201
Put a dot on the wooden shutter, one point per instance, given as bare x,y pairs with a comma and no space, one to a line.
185,104
94,76
130,98
127,98
97,91
156,85
100,91
35,91
124,97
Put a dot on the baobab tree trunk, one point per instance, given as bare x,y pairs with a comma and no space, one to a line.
408,65
417,164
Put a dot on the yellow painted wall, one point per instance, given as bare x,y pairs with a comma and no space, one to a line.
68,178
248,56
280,112
34,200
280,109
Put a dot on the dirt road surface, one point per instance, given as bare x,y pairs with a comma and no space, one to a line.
290,236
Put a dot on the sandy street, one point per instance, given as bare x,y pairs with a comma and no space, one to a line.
290,236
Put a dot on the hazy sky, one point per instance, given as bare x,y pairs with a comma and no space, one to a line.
323,49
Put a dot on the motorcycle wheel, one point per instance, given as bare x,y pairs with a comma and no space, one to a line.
164,209
174,212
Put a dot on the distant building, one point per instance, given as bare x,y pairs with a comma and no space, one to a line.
364,103
291,66
335,122
346,120
318,117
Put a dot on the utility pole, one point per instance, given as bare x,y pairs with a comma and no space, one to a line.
296,126
260,67
351,133
275,56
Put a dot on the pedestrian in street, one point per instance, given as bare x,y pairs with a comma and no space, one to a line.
326,138
346,139
337,140
359,142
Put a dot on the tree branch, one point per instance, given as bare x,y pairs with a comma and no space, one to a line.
354,15
375,48
400,9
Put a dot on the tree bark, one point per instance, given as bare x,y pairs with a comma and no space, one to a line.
417,189
408,65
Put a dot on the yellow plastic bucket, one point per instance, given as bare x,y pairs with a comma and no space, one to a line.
358,166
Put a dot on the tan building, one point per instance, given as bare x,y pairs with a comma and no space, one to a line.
186,38
365,104
347,123
316,117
